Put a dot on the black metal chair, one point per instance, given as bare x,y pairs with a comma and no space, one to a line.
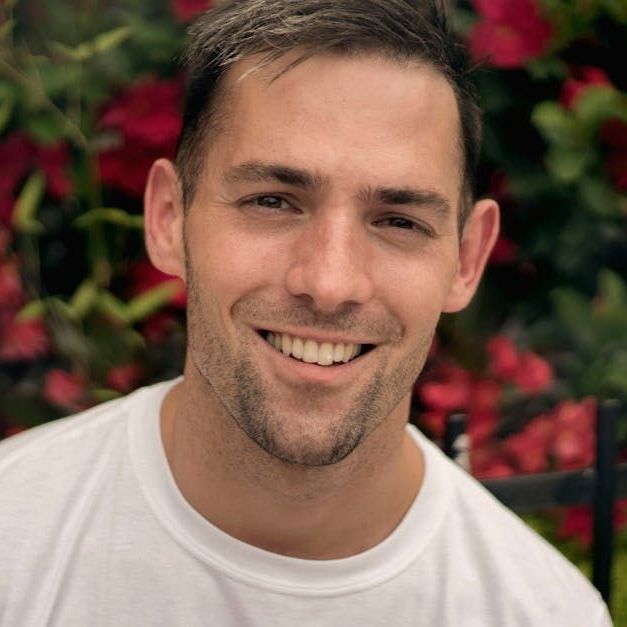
599,486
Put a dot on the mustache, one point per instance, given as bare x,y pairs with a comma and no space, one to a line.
348,318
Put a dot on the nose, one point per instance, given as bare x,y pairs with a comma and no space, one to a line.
330,264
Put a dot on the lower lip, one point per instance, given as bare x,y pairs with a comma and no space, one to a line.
302,372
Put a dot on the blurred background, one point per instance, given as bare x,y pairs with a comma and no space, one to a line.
90,95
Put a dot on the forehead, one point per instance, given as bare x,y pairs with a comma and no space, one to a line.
335,112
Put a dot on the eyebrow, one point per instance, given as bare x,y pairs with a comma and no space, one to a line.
409,196
258,172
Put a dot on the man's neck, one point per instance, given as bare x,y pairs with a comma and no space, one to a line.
325,512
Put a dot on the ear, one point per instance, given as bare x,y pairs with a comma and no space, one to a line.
163,219
478,238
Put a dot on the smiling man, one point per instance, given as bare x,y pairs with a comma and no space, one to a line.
321,214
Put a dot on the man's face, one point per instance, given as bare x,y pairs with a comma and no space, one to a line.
326,211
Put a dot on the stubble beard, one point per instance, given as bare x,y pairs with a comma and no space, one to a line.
241,391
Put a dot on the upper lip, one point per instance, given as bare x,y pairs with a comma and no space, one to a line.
318,337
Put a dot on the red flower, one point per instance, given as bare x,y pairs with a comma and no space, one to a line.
488,462
527,370
434,422
574,443
185,10
450,393
23,340
509,33
148,120
124,378
11,293
19,155
157,327
614,134
504,251
582,78
503,357
55,162
529,449
577,523
533,374
65,389
144,276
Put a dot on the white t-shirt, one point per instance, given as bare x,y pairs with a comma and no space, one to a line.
94,532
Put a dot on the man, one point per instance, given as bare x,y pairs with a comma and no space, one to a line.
321,214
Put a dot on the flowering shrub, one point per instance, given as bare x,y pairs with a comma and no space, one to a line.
84,317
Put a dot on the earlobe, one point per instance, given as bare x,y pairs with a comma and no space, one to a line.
163,218
479,236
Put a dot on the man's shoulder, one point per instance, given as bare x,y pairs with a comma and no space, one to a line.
493,547
49,453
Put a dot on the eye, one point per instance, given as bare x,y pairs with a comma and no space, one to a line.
268,201
399,222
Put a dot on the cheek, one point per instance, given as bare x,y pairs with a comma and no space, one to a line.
417,289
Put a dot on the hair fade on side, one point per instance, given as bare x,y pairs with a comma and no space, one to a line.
237,29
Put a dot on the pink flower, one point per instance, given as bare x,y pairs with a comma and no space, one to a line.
65,390
148,120
125,377
23,340
533,374
185,10
509,33
582,78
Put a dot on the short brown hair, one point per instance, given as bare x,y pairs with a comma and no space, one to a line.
401,29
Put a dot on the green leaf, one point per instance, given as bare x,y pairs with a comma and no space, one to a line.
151,301
102,395
597,103
617,9
111,215
567,165
556,124
575,315
27,204
6,109
111,39
101,43
612,291
44,128
32,310
598,196
109,305
83,299
6,29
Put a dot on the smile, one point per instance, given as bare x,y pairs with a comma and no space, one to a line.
312,352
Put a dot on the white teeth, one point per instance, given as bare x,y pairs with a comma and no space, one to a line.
297,348
286,344
309,351
338,352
